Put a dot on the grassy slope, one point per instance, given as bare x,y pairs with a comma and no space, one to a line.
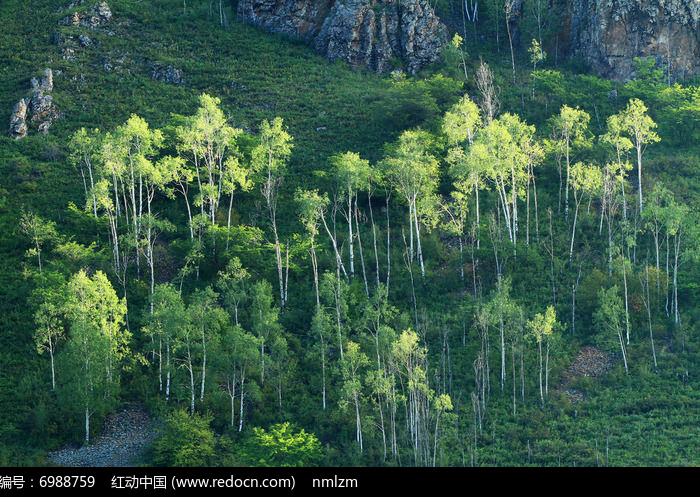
257,76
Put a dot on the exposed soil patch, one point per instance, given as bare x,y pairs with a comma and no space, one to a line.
124,436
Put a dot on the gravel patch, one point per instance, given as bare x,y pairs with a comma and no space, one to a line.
590,362
124,436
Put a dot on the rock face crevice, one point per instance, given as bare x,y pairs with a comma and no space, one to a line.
363,33
610,34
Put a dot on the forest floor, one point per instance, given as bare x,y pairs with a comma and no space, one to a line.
124,436
590,362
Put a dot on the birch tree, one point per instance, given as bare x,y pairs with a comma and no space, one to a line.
334,293
500,310
187,350
644,282
676,225
352,173
234,176
537,55
351,365
320,329
621,145
182,176
489,102
96,346
168,317
640,127
133,147
541,328
467,165
510,8
311,208
210,143
235,358
264,319
270,162
84,148
233,283
586,179
654,217
155,176
39,231
410,361
571,128
50,326
209,318
106,204
505,145
608,317
413,171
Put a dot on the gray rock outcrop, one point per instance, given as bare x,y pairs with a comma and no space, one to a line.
363,33
301,19
18,120
99,14
38,108
610,34
167,74
46,83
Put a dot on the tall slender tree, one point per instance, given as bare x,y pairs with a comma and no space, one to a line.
640,127
270,162
571,128
84,149
541,327
586,179
413,171
96,346
608,317
352,173
311,208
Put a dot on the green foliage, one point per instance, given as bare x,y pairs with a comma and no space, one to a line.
90,364
281,446
541,326
609,318
454,57
185,441
408,103
536,53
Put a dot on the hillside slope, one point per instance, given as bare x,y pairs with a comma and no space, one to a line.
478,299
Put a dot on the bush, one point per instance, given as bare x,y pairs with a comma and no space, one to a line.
185,441
281,447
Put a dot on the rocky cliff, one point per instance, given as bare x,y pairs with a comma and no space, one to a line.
609,34
367,33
